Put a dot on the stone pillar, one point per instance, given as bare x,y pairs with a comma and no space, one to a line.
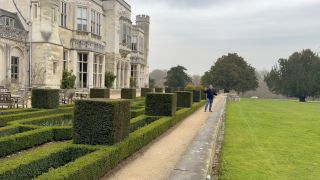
122,74
128,74
90,70
103,71
139,76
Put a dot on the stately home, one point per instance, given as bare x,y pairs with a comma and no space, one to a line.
87,37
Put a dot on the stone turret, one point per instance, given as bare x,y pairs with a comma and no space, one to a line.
143,21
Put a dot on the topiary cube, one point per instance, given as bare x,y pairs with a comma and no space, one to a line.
144,91
99,121
45,98
100,93
168,90
185,99
196,95
158,90
128,93
159,104
203,95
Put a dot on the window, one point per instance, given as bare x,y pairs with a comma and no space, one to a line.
82,18
141,42
35,10
95,22
54,67
14,69
97,71
134,43
65,60
126,34
83,70
63,15
7,21
54,15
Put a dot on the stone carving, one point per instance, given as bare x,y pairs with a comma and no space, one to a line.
13,33
87,45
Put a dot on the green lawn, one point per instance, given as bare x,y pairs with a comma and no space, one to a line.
271,139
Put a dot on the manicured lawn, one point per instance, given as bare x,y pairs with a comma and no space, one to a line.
271,139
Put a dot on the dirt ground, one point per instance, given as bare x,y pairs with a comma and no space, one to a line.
157,160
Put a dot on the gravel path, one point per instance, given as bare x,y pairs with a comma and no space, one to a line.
157,160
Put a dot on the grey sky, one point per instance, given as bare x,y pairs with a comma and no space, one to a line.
195,33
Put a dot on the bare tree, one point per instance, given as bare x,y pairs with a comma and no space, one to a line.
159,76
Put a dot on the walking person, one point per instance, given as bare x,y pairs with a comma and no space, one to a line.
210,93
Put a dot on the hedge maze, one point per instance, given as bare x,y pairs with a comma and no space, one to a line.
85,140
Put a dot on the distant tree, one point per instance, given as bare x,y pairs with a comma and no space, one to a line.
159,76
298,76
68,80
151,83
109,79
231,72
196,80
133,83
177,77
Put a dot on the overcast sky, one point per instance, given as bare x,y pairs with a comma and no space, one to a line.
194,33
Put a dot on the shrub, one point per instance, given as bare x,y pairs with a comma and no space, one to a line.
144,91
100,93
96,164
203,95
101,122
185,98
68,80
128,93
109,79
196,95
158,90
137,112
32,114
40,160
158,104
133,83
45,98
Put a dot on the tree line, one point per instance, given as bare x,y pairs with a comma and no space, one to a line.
298,76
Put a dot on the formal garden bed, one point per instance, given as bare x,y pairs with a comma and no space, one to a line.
40,144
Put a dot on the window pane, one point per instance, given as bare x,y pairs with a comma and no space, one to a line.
79,13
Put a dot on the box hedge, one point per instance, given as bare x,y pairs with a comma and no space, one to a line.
45,98
99,121
158,90
100,93
128,93
39,161
196,95
184,98
144,91
159,104
98,163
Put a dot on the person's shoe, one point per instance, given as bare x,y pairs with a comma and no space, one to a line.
210,111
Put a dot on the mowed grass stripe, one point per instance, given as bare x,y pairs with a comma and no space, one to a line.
271,139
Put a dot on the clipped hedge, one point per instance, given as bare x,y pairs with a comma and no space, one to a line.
137,112
128,93
203,95
45,98
98,163
144,91
159,104
22,116
100,93
101,121
39,161
141,121
158,90
196,95
184,98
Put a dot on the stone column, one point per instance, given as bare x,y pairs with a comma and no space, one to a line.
103,71
90,70
128,74
122,75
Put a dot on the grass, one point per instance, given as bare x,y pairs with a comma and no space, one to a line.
271,139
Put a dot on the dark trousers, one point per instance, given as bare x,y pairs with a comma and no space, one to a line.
209,104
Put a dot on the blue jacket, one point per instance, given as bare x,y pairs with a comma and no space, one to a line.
210,93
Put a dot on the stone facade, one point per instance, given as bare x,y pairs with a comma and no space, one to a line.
87,37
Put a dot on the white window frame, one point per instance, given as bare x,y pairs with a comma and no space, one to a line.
63,13
15,73
98,71
82,62
82,20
